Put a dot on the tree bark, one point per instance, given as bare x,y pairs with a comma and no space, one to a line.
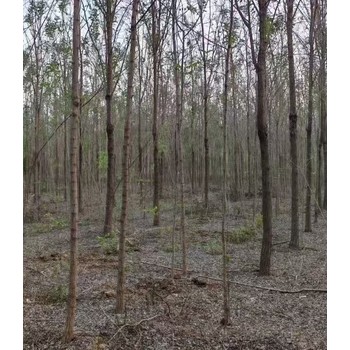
205,112
226,307
120,305
265,257
293,117
72,295
309,123
111,181
155,48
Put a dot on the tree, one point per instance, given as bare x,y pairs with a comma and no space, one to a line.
125,168
73,272
293,117
205,110
111,181
309,122
226,308
262,125
155,53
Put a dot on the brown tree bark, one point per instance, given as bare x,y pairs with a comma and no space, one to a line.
205,112
155,52
120,305
309,123
293,117
323,97
178,110
111,180
226,307
265,257
73,272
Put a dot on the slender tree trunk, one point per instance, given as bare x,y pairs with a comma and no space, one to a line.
37,123
111,181
178,102
125,169
248,127
73,272
205,111
323,96
309,124
80,173
226,307
318,199
265,257
293,117
155,48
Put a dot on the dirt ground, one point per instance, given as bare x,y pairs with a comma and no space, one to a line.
286,310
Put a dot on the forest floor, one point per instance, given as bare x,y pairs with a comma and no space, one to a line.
275,312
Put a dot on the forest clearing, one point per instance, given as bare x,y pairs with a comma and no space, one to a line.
175,174
183,313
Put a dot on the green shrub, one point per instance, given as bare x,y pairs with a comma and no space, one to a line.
58,294
109,243
242,234
213,247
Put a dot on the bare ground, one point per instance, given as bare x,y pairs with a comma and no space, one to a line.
184,313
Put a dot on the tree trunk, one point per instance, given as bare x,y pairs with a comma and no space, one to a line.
178,102
111,181
265,257
309,124
205,112
293,117
155,48
125,169
72,295
226,307
80,173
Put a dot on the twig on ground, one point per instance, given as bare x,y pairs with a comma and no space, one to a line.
270,288
133,325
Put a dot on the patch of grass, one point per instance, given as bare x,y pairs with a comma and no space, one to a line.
213,247
48,224
58,294
242,234
169,249
109,243
246,233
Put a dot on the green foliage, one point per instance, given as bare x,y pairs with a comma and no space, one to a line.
109,243
58,294
271,27
103,161
213,247
49,223
152,210
242,234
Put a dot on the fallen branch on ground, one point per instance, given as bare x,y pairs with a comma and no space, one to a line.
316,290
133,325
269,288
